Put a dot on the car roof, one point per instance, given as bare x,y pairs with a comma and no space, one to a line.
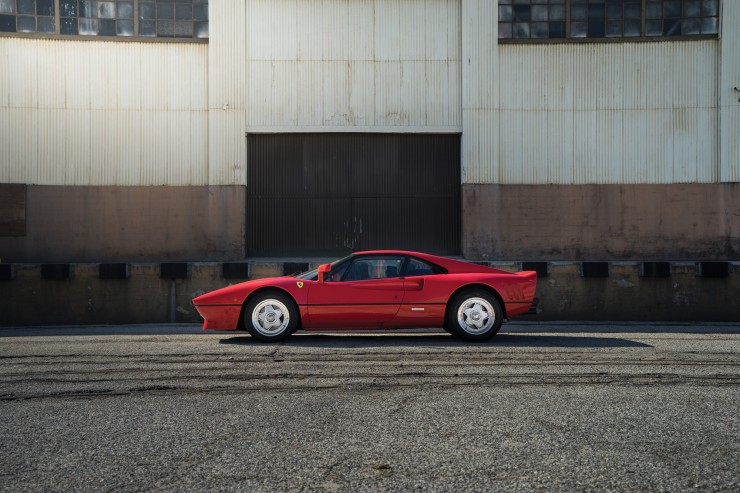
451,265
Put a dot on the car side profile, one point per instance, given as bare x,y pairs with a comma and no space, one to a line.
381,289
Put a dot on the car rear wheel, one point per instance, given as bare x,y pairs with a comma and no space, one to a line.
271,317
474,315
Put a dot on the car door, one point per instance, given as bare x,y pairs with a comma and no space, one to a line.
364,293
425,295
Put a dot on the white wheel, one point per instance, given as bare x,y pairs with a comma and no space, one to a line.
271,317
474,315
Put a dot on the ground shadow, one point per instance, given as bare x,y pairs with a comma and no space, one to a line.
349,341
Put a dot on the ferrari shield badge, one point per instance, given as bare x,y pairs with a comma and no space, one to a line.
300,284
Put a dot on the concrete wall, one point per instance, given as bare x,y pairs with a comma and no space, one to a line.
564,294
602,222
107,224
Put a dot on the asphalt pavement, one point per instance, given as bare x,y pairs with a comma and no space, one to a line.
541,407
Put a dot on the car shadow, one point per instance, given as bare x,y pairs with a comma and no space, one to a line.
353,341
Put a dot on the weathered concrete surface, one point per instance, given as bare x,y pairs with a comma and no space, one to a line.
604,408
564,295
602,222
12,210
109,224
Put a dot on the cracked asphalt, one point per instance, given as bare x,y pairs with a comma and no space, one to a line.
541,407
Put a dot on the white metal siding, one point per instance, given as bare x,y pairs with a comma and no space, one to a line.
729,97
103,113
605,113
226,93
479,92
353,65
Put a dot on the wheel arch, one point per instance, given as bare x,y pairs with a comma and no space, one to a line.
266,289
477,285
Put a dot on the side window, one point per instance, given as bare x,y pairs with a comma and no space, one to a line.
336,274
417,267
373,268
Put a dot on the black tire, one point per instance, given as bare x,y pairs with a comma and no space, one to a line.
271,316
479,324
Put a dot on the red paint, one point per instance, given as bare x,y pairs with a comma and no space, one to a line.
393,302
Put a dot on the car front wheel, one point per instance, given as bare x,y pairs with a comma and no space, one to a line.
474,315
271,317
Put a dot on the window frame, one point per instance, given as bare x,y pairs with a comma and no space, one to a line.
615,39
135,38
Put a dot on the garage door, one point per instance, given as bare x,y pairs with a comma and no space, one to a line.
331,194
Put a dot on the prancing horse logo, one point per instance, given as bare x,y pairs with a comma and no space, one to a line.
300,284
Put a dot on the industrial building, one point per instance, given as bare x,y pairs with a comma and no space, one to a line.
550,131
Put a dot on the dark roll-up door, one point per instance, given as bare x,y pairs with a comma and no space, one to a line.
331,194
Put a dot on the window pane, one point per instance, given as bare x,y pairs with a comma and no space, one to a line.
522,13
26,24
183,11
125,10
147,28
68,25
147,11
166,28
653,28
505,13
521,30
125,28
88,27
540,29
557,13
710,7
45,25
539,13
7,23
200,12
68,8
671,27
672,9
710,25
614,29
577,29
596,29
692,8
87,9
106,10
632,10
654,10
26,6
632,27
557,29
107,27
44,7
183,29
165,10
690,26
578,12
504,30
7,6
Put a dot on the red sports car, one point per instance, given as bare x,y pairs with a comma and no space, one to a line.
384,289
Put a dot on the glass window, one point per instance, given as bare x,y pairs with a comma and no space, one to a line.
365,268
417,267
552,19
114,18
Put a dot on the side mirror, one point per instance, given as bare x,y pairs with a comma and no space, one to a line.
323,270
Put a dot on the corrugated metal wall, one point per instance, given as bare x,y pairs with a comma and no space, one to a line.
226,93
605,113
353,65
480,139
103,113
729,96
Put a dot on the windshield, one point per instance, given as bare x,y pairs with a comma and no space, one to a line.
313,274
